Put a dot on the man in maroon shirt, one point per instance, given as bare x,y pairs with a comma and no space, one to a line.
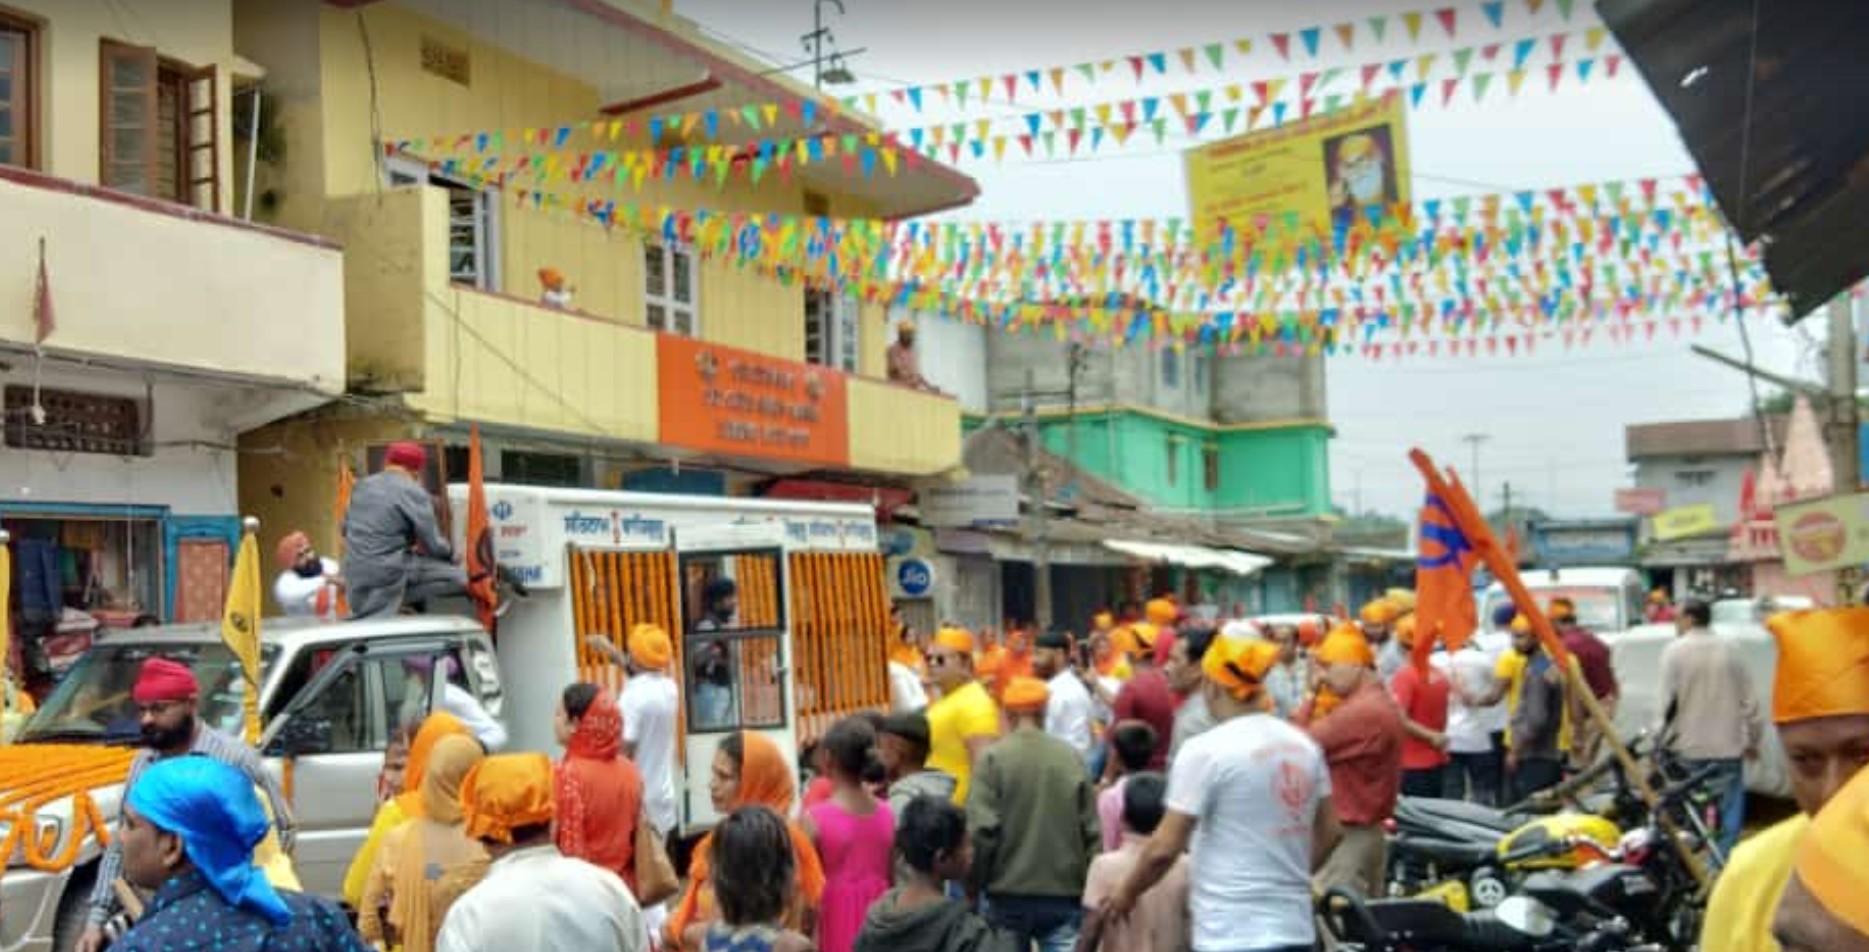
1362,742
1422,698
1147,696
1593,656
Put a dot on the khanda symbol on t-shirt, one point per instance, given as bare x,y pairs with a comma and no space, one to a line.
1294,787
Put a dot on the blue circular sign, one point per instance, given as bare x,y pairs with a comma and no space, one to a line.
915,578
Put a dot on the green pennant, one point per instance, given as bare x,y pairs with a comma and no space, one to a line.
1564,8
1228,117
1077,117
960,92
1379,26
1215,53
1161,130
1480,82
1203,100
1332,102
1089,71
1461,205
1330,75
750,113
1051,143
849,142
1462,57
1614,191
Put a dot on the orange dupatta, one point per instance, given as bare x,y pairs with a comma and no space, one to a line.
765,780
438,725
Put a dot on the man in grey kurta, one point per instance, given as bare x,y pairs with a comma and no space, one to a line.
389,515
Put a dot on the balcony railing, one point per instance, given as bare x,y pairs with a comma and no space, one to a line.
144,281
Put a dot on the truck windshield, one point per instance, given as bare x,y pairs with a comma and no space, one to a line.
92,704
1597,608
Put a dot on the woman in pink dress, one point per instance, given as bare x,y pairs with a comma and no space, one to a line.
855,836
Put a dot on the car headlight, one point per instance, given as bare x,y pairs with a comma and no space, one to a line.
45,829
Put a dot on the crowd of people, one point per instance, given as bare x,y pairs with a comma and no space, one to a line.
1155,783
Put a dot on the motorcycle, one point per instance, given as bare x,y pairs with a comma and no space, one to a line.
1640,898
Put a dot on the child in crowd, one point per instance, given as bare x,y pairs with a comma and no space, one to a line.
854,833
917,916
752,878
1160,920
1133,742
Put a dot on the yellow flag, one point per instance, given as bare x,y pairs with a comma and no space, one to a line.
240,627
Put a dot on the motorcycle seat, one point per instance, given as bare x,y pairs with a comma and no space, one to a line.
1435,813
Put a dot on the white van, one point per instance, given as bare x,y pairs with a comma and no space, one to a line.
1609,601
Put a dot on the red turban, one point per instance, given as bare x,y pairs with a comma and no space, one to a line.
164,680
408,455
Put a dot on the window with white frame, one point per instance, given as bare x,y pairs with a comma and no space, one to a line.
670,281
473,223
832,329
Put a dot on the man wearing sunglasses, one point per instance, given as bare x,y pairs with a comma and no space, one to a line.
965,720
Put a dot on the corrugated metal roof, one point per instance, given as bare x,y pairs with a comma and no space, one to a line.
1735,437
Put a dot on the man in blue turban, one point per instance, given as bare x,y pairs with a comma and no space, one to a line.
189,828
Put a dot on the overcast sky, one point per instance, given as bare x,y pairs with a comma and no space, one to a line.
1553,422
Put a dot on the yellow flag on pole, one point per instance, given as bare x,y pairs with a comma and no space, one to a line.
240,625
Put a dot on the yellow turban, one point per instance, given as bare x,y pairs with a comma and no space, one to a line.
649,647
1239,664
1345,645
1025,694
1521,624
1161,612
506,792
955,639
1102,620
1402,598
1823,663
1142,637
1833,857
1405,630
1562,609
1382,611
1658,596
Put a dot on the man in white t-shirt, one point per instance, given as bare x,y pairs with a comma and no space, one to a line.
1252,796
1473,733
1067,714
308,583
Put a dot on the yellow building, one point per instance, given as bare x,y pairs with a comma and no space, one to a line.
146,327
632,384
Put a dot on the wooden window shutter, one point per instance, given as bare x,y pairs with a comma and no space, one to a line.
201,137
127,117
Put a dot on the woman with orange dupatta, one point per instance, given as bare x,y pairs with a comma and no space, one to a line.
404,806
749,770
427,862
599,791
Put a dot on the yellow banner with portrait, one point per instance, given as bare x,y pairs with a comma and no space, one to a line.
1304,177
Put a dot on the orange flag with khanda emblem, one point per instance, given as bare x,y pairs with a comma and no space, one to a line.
1444,608
480,561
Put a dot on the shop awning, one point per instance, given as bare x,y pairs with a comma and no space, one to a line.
1192,556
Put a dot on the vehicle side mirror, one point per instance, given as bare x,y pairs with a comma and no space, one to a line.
302,735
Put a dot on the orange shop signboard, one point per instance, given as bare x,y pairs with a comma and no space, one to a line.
739,403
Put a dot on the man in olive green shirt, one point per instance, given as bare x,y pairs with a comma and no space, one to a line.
1033,815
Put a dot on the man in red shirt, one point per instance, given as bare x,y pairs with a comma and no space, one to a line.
1422,698
1362,742
1593,657
1147,696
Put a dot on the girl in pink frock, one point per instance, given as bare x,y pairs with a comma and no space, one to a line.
855,836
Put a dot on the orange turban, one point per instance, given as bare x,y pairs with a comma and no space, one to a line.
1405,630
1142,637
1239,664
551,278
1563,609
1102,620
1823,663
1521,624
1026,694
1833,857
1345,645
506,792
1161,612
1658,596
649,647
1382,611
955,639
287,554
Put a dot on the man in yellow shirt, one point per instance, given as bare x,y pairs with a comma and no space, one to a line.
1820,704
965,720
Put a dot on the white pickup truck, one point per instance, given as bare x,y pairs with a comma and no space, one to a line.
331,696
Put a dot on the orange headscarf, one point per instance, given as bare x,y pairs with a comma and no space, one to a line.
765,780
1823,663
1026,694
1833,857
1345,645
506,792
438,725
1161,612
1239,664
599,792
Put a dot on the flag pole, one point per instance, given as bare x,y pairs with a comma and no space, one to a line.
243,602
1506,572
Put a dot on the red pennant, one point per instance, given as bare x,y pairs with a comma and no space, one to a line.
1448,86
1370,72
1512,346
1557,45
1490,51
1263,90
1012,85
1075,136
1128,109
1135,63
1282,43
1447,16
1611,64
1492,346
1556,72
1648,189
1305,82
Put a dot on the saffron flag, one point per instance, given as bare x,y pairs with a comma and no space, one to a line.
43,321
240,627
346,481
480,562
1444,608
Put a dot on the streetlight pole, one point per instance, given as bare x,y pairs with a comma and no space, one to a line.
815,39
1474,440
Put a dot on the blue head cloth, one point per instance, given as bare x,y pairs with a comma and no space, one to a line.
1504,613
212,807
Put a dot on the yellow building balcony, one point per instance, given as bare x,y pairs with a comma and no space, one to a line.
459,354
138,282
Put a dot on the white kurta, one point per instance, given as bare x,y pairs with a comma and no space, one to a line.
540,900
298,595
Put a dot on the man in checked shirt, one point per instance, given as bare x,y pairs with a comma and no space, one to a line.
166,695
